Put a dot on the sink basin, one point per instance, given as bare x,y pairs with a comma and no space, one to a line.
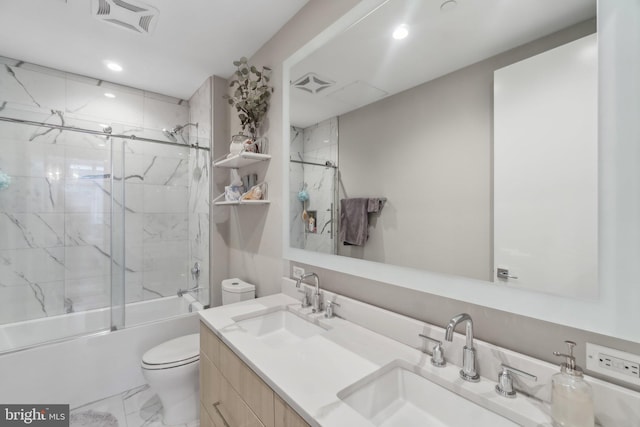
277,328
395,395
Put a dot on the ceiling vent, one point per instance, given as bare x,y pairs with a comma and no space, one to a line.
312,83
131,14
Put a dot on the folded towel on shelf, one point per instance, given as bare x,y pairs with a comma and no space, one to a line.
354,219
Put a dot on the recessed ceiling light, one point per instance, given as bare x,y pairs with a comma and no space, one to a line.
401,32
109,95
113,66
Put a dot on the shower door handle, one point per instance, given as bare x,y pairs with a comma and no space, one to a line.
331,219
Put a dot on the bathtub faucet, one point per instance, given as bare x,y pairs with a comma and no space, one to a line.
188,291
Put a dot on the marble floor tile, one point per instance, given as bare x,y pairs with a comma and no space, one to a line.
107,412
136,398
138,407
148,415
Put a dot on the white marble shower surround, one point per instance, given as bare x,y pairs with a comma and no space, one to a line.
56,212
316,144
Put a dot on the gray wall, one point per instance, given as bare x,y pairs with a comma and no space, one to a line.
219,226
255,236
254,241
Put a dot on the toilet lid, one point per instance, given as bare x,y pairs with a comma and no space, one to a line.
181,349
237,286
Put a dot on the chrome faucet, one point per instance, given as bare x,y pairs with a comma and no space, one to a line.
468,371
195,272
316,296
181,292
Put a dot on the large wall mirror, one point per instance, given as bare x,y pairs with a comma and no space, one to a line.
453,147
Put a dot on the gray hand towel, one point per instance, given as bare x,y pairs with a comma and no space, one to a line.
375,204
354,221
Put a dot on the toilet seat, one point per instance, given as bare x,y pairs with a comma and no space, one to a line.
173,353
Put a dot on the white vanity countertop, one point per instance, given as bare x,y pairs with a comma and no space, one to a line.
309,375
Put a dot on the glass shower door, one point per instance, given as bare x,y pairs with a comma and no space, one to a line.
162,229
94,221
55,220
314,187
118,234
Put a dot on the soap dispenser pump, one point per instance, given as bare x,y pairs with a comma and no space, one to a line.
571,395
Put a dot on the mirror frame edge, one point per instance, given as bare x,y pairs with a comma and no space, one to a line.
602,315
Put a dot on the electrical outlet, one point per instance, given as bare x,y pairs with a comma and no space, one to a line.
297,272
613,363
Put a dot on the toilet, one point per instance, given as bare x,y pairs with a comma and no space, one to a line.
172,368
235,290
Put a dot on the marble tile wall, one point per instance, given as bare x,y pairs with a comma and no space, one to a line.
156,240
315,144
55,215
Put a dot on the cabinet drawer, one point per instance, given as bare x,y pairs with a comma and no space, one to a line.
285,416
231,410
210,378
257,395
209,344
205,419
231,365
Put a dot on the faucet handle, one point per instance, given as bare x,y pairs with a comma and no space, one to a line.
305,298
437,354
328,310
505,380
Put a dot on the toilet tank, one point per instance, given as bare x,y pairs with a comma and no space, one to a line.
236,290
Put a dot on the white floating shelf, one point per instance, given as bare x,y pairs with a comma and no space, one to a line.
245,158
243,202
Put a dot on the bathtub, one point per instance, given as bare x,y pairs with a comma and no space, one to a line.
150,311
90,366
29,333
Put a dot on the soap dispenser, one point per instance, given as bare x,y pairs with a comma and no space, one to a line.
571,395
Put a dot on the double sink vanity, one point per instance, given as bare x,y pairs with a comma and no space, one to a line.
272,362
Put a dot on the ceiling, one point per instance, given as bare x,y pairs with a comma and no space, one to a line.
366,64
192,39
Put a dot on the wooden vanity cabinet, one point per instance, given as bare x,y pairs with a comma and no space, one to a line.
285,416
232,395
